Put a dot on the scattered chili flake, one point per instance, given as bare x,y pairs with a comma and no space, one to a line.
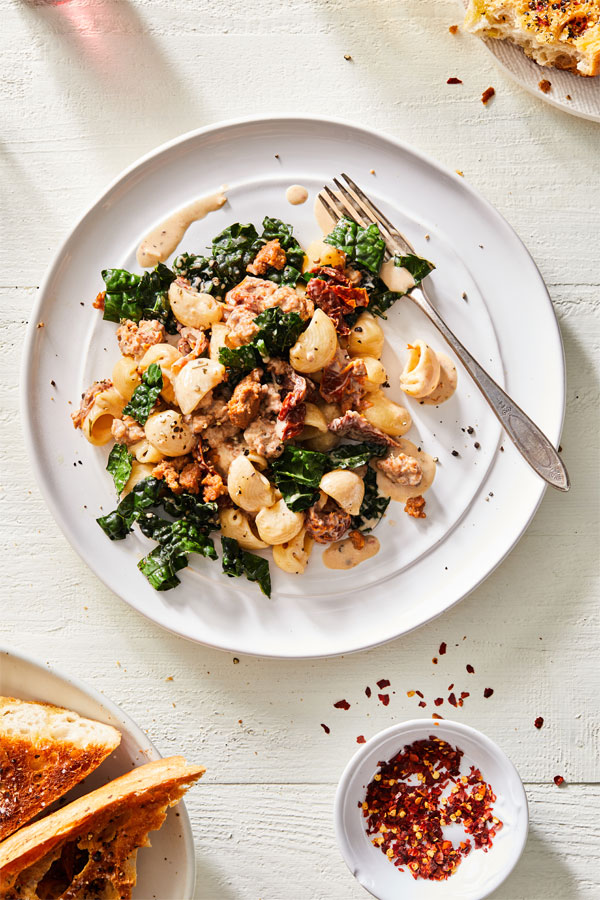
325,728
383,683
538,722
385,698
487,95
454,81
453,29
443,648
438,701
488,692
410,693
452,699
368,691
347,56
361,739
422,704
558,780
464,694
545,86
420,694
434,661
470,669
450,686
342,704
436,716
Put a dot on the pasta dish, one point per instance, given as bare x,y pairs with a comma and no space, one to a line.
250,401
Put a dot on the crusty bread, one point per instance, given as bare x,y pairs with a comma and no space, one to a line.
563,34
44,751
88,849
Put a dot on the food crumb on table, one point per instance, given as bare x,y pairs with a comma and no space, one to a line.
545,86
487,95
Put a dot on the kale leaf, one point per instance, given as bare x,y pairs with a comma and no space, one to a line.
373,505
144,495
200,272
233,250
145,395
297,473
191,507
275,229
238,562
176,540
418,267
363,246
351,456
119,465
278,331
135,297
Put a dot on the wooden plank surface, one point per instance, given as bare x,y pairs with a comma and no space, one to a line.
531,629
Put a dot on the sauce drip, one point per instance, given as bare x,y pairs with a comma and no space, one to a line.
447,383
296,194
344,555
164,239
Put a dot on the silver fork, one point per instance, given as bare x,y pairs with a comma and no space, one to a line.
531,443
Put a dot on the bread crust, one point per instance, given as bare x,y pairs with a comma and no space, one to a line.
45,751
100,832
564,34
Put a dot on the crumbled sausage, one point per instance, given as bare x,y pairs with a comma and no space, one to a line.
127,431
415,507
192,342
213,487
245,401
401,469
251,297
272,255
212,410
262,437
182,473
134,339
87,400
327,524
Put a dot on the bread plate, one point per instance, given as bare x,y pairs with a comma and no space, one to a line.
166,870
483,497
571,93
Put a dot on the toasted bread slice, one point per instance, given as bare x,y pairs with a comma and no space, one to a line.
88,848
44,752
563,34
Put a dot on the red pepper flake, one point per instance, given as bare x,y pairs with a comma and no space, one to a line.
420,694
558,780
442,649
453,29
452,699
470,669
488,692
454,81
325,728
342,704
361,739
545,86
422,704
368,691
406,819
436,716
438,701
383,684
385,698
450,686
410,693
434,660
487,95
464,694
538,722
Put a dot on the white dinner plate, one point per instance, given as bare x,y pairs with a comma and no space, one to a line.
482,499
166,870
572,93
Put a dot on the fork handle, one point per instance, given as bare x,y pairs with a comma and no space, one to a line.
531,443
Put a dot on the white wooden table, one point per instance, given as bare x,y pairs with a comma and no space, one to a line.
90,85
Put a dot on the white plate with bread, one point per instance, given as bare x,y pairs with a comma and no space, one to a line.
552,50
81,788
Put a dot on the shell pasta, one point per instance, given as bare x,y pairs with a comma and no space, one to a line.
250,403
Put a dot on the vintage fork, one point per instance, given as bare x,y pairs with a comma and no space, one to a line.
533,445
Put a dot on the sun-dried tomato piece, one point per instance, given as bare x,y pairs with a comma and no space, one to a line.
335,296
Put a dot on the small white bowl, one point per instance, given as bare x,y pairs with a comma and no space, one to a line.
479,873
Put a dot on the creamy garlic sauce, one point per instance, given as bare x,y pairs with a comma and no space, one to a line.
344,555
165,238
447,383
296,194
402,492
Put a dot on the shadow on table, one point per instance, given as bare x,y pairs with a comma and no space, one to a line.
110,72
541,867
